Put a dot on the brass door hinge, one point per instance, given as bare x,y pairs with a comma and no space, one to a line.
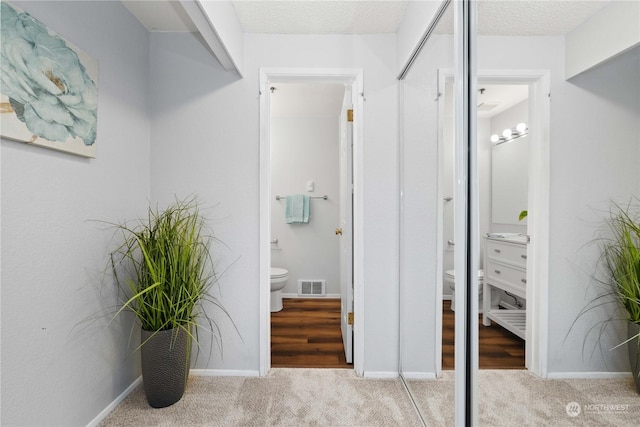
350,318
349,115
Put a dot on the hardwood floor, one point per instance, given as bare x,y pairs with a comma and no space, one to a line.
499,348
306,334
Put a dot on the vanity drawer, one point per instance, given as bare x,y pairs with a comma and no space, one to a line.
506,277
510,253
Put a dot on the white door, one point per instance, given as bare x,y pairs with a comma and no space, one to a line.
345,230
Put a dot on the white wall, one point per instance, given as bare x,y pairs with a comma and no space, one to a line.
612,31
302,149
419,205
205,129
415,21
509,118
61,363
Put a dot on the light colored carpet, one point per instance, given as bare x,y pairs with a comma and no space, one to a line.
518,398
285,397
336,397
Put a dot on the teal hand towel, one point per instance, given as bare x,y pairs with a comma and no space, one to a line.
297,209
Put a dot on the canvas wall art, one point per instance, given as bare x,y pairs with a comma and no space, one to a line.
48,87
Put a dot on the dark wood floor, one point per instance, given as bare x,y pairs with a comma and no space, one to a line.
499,348
306,334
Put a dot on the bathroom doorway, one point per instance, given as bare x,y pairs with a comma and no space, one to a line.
318,252
506,101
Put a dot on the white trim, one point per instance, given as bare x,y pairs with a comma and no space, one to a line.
106,411
381,375
419,375
223,373
341,75
587,375
265,227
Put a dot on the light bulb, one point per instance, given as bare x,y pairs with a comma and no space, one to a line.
495,138
521,127
506,133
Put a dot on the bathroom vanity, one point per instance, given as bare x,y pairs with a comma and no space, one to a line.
505,268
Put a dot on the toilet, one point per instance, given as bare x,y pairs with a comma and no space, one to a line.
450,279
279,277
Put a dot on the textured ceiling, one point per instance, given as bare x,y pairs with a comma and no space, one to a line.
320,16
496,17
528,17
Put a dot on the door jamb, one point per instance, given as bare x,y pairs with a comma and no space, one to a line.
354,77
536,355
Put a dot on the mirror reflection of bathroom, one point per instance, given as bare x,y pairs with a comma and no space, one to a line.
310,223
503,182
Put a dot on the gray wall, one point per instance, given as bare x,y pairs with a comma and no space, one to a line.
61,364
205,133
306,148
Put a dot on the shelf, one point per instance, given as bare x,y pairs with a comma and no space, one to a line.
515,321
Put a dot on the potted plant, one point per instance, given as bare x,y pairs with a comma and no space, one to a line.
621,257
619,276
165,271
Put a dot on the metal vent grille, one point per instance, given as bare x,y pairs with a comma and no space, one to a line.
311,288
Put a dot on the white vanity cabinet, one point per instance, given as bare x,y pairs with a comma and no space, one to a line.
505,267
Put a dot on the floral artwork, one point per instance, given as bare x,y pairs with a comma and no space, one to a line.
48,90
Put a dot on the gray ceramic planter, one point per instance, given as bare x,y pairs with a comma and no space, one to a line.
165,366
634,353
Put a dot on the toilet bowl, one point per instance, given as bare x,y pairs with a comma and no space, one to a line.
279,277
450,279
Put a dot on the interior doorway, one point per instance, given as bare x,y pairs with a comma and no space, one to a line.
347,229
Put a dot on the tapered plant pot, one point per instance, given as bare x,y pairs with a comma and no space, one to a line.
634,353
165,365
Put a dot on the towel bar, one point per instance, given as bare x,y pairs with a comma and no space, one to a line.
325,197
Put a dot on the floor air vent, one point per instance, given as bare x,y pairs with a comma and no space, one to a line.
311,288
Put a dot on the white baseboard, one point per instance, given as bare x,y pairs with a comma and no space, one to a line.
587,375
446,297
311,296
106,411
380,375
419,375
223,373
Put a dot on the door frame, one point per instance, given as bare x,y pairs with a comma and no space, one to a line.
536,350
354,78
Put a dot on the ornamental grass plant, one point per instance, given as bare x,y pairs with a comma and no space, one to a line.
621,257
617,271
165,270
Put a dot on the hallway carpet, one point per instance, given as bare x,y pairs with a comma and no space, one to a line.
336,397
285,397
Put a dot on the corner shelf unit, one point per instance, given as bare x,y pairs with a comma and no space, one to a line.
505,268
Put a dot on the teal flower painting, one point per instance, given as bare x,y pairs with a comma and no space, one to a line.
48,89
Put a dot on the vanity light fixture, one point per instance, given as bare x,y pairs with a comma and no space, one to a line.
510,134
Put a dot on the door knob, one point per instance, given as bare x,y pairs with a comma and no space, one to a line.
338,231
